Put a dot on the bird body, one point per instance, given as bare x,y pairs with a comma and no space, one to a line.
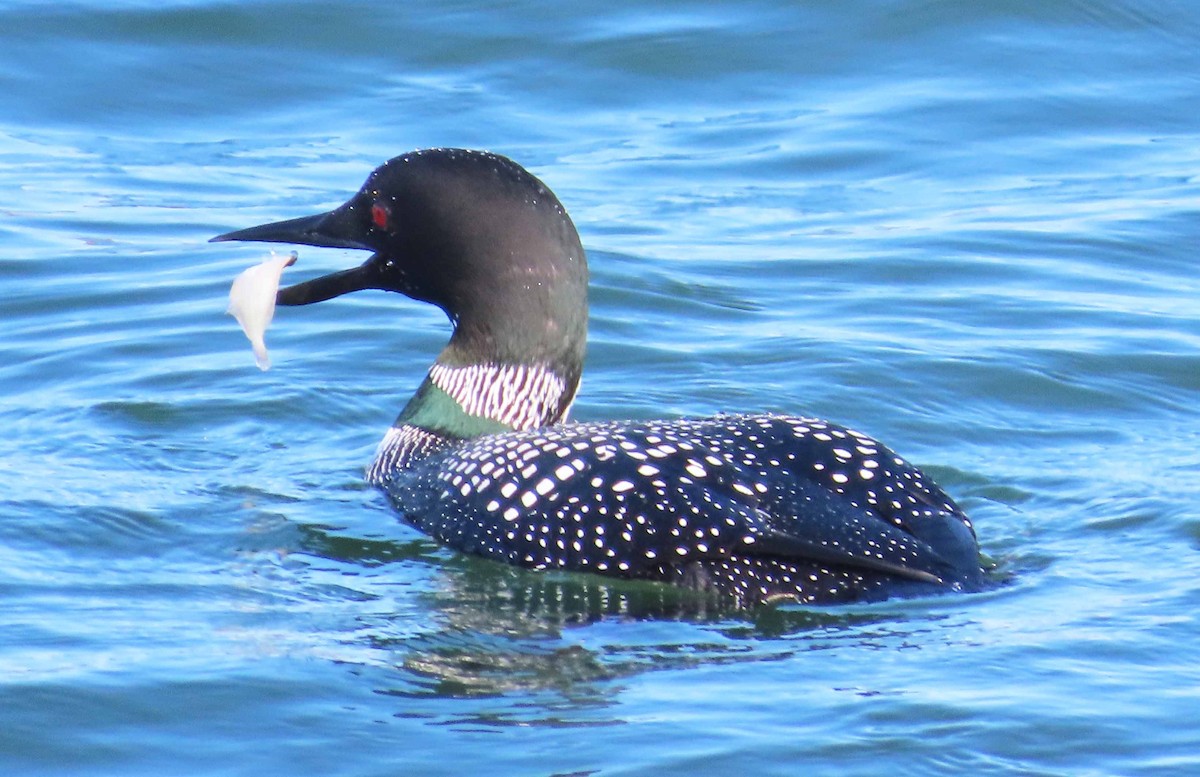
753,507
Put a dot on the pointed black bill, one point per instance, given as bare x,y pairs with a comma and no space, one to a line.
335,229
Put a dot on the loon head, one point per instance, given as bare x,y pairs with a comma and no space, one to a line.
473,233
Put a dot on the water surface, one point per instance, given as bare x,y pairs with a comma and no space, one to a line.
969,231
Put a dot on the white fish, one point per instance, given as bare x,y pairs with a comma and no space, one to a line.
252,301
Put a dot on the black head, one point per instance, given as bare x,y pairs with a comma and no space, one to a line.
469,231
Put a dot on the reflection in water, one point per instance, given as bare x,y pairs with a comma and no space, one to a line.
539,643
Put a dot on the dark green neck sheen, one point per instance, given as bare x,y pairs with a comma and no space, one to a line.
436,411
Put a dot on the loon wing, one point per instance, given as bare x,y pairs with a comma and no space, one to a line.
833,538
806,522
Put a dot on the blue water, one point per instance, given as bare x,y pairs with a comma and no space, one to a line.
969,229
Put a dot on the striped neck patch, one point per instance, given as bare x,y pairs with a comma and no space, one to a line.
516,395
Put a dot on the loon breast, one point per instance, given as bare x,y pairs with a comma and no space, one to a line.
754,507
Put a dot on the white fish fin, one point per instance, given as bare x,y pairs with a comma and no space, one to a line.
252,301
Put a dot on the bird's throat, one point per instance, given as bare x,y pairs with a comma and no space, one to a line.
473,400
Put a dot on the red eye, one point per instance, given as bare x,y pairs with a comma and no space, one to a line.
379,215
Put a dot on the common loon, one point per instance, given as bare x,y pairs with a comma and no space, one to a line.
753,508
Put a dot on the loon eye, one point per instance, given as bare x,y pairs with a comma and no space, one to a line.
379,215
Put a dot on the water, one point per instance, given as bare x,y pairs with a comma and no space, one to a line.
967,229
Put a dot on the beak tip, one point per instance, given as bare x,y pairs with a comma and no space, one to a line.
229,237
327,230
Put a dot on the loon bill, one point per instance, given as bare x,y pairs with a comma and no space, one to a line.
756,508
